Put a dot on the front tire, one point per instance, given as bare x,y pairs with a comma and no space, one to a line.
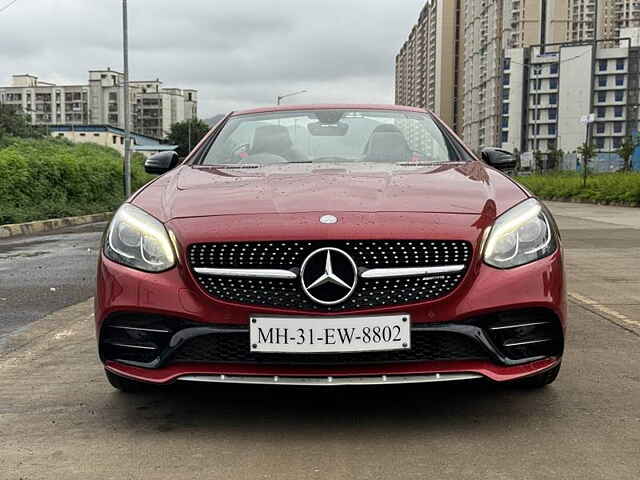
125,385
540,380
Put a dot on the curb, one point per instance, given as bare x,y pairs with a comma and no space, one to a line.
39,226
592,202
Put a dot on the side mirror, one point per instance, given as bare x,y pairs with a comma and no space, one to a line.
161,162
500,159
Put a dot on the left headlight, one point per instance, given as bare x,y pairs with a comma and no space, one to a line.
136,239
522,235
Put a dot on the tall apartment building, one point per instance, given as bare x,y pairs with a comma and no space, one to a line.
484,30
428,65
546,94
153,109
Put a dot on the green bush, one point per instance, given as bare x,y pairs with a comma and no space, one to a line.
49,178
601,188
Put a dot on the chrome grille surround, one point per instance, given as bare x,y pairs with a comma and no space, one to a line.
369,255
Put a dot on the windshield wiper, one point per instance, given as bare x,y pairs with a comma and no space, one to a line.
235,165
420,164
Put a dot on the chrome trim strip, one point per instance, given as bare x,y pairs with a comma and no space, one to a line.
409,272
331,381
522,325
529,342
139,329
248,273
125,345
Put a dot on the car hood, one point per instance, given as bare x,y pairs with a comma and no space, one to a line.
457,188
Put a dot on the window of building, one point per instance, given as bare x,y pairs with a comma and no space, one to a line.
619,95
617,142
553,68
602,81
121,140
619,80
600,112
602,65
553,83
618,111
553,99
620,64
505,122
602,97
61,134
506,79
506,66
505,137
537,129
600,142
551,129
114,139
505,109
83,134
599,127
617,127
553,114
96,134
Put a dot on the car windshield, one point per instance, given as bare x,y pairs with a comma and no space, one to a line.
316,136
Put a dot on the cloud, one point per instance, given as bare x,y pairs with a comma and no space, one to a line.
238,53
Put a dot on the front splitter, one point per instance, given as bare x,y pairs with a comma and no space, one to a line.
369,373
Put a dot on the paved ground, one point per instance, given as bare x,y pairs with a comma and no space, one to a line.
44,273
58,418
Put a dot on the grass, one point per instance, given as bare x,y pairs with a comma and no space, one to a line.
49,178
601,188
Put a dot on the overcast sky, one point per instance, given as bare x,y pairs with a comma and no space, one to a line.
237,53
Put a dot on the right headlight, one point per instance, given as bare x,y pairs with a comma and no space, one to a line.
521,235
136,239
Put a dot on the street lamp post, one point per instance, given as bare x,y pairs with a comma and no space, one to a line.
279,98
127,133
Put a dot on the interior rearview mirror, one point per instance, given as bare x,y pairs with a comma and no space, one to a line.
161,162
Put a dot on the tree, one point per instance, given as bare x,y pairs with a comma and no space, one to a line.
626,151
180,131
516,156
555,158
586,151
539,159
14,124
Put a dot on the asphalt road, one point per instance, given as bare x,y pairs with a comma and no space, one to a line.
59,418
44,273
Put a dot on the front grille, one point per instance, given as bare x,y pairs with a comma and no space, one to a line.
234,348
289,255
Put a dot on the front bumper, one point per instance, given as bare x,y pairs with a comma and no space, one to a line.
485,293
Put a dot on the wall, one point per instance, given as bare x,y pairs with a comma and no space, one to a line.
574,95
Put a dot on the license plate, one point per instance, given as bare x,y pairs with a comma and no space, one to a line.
330,334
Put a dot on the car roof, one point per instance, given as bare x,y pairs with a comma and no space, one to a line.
337,106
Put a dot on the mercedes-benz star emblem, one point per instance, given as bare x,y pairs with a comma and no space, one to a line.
329,276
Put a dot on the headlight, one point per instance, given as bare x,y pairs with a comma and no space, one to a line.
136,239
520,236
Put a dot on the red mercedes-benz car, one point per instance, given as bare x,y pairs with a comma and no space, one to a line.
331,245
